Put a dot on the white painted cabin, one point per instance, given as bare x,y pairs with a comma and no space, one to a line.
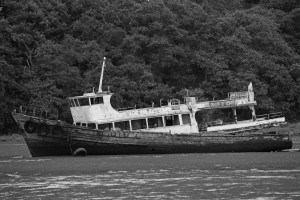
94,110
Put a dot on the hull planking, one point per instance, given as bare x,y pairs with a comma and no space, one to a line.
55,138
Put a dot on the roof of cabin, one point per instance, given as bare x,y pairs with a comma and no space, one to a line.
92,94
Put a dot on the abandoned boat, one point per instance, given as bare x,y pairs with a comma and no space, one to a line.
99,129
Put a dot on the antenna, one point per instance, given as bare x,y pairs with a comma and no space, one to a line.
101,77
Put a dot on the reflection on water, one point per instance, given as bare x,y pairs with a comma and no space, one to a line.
171,183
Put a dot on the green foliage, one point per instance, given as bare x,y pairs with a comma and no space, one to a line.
54,49
134,85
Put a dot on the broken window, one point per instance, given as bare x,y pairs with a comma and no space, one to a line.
92,125
107,126
172,120
122,125
186,119
138,124
155,122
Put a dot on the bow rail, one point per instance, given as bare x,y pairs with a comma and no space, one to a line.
36,112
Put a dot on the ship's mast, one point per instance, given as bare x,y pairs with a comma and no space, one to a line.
101,77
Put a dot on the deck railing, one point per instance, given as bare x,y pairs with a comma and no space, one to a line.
237,95
269,116
36,112
220,122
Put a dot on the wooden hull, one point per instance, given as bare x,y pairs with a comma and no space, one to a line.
54,138
243,146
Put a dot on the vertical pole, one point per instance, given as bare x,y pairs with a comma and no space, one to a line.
130,125
234,114
253,112
147,123
180,119
113,126
101,77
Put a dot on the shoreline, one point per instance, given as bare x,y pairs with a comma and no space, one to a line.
13,138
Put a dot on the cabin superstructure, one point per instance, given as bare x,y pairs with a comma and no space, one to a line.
94,110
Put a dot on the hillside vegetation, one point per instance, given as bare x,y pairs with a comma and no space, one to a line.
156,49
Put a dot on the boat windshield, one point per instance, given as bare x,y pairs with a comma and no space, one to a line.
85,101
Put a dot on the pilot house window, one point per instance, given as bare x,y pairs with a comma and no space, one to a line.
84,102
76,102
71,103
97,100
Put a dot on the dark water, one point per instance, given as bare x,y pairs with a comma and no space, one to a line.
273,175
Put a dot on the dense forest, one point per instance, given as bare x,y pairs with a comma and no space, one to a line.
155,49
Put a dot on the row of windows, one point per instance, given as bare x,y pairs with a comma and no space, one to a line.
85,101
172,120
